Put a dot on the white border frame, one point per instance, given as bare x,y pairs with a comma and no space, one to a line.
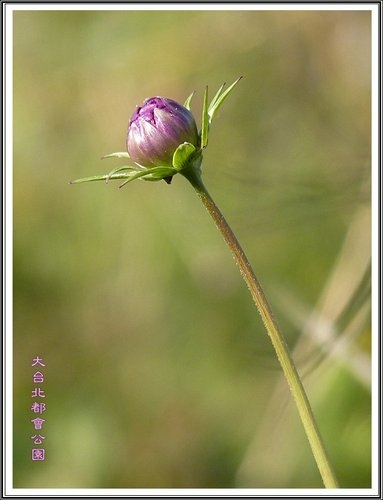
9,491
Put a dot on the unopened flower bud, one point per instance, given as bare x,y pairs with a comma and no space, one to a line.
156,129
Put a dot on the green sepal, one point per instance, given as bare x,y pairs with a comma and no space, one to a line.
182,155
188,100
216,103
104,177
159,173
205,121
121,154
130,174
121,169
215,98
155,173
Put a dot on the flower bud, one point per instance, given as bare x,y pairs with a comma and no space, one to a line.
156,129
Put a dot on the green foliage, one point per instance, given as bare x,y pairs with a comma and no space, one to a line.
182,155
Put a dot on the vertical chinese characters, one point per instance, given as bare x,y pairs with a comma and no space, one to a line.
38,407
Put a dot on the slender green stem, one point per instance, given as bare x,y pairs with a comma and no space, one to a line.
276,336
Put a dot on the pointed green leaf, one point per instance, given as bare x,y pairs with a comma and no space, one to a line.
213,109
182,154
158,173
100,178
215,98
205,121
130,174
121,169
151,179
133,177
188,100
121,154
155,172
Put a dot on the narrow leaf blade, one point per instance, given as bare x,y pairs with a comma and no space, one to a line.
121,154
158,173
215,98
188,100
154,173
213,109
100,178
121,169
205,121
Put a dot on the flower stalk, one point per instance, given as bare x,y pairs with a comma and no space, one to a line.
163,141
277,339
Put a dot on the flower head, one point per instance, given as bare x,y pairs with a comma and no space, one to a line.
163,140
156,129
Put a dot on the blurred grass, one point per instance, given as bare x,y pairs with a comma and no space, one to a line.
159,373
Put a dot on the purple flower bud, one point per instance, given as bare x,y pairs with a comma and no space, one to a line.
156,129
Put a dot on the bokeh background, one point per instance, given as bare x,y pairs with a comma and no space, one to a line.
159,373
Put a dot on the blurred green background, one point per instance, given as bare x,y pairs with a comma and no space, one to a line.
159,373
